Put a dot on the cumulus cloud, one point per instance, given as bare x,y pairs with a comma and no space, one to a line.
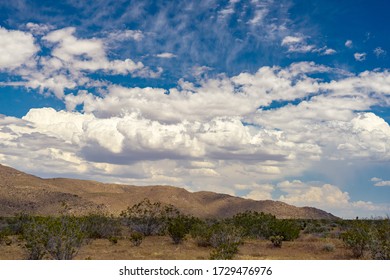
234,134
360,56
16,48
259,192
325,196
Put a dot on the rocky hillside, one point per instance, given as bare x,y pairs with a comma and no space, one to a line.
21,192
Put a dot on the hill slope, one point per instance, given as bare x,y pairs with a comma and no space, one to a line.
21,192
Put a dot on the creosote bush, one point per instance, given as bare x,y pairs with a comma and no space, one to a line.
276,240
357,237
100,225
261,225
379,245
201,232
328,247
225,238
148,218
136,238
55,237
178,227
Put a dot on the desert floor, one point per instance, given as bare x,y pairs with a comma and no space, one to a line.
306,247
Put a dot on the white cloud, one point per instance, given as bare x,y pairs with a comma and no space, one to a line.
39,29
298,44
198,71
123,35
327,197
86,54
375,179
329,51
165,55
69,62
360,56
288,40
16,48
257,191
229,9
221,132
349,44
381,183
259,16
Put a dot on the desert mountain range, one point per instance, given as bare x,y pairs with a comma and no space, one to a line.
21,192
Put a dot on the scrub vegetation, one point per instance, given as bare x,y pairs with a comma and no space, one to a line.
155,231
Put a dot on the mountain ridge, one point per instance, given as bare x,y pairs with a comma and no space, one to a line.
22,192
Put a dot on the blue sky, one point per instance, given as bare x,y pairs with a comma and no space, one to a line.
264,99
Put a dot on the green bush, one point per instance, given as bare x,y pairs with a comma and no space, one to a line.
254,224
225,238
98,225
289,229
357,237
379,245
225,233
224,251
261,225
201,232
276,240
136,238
328,247
56,237
148,218
113,240
36,235
179,227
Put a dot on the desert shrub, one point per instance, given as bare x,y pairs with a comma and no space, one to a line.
36,235
320,228
288,229
224,251
113,240
328,247
136,238
225,233
57,237
254,224
5,236
262,225
379,245
16,224
276,240
225,238
178,227
99,225
357,237
148,218
201,232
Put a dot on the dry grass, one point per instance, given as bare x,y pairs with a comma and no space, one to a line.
306,247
